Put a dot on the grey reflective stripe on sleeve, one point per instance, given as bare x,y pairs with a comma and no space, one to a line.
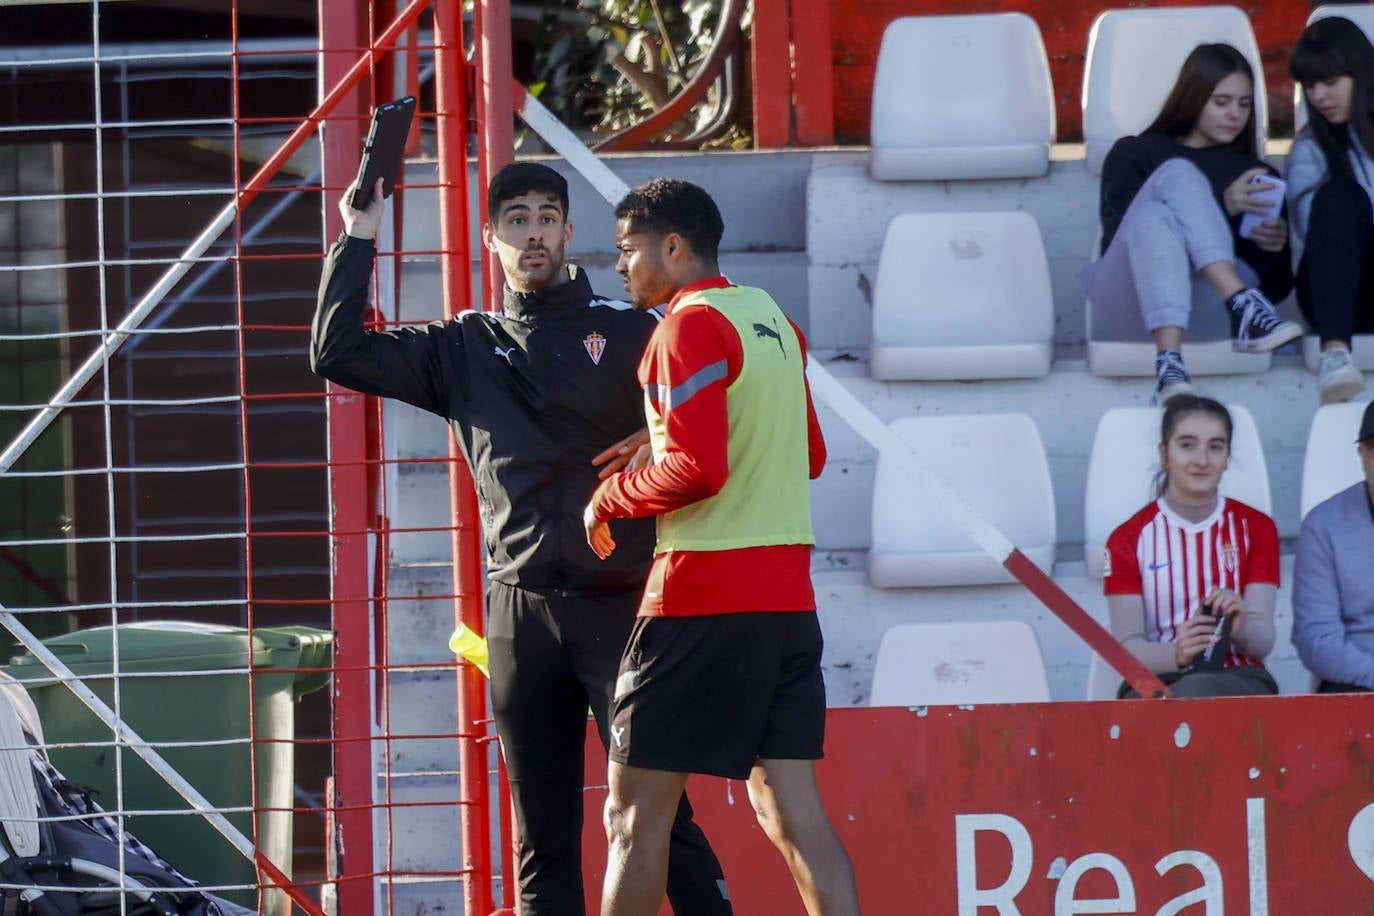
681,394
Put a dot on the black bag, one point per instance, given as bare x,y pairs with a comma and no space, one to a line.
77,869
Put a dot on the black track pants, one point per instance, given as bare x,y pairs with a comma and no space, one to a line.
1336,275
552,657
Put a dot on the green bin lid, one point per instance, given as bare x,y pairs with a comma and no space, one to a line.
152,646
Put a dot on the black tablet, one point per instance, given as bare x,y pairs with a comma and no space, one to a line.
386,146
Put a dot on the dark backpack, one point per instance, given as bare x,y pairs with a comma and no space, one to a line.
80,866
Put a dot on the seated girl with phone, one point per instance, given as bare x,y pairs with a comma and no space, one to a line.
1171,204
1195,568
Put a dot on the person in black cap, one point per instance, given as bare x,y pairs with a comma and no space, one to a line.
534,394
1333,582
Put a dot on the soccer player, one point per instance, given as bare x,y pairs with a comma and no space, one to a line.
532,394
722,675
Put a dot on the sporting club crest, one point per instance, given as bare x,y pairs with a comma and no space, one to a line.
595,345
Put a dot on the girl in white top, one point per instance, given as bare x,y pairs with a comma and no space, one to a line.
1191,557
1330,179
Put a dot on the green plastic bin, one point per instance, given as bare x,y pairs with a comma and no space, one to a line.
187,682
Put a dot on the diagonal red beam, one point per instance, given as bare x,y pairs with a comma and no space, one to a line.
346,84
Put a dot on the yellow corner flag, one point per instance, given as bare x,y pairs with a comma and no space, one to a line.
469,646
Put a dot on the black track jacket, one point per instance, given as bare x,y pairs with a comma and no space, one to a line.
531,395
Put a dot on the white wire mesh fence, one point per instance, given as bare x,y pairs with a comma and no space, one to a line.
181,476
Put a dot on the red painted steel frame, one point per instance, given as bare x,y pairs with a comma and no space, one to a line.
812,90
771,59
343,35
455,270
497,91
793,98
343,28
1039,584
495,120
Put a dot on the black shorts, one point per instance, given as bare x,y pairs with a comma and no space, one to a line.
713,694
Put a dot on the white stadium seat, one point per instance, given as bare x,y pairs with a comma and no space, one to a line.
1103,679
997,463
1362,14
1134,57
1361,349
1331,463
1125,459
934,664
961,97
962,296
1121,347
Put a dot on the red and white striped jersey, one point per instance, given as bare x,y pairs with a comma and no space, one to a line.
1173,563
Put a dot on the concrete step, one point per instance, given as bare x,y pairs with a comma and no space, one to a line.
423,895
422,704
418,499
421,821
1065,406
420,612
422,680
420,833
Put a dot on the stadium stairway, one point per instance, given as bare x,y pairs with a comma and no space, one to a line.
808,226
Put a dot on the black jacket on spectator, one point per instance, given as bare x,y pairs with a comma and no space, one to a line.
1131,160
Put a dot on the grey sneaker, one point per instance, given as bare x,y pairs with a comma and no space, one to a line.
1255,326
1171,379
1337,378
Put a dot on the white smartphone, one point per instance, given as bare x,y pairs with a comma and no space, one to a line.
1272,195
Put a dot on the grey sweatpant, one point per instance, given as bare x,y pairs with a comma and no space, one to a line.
1148,277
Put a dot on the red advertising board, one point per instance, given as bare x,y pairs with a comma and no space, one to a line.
1238,806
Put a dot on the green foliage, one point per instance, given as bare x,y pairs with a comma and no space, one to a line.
605,64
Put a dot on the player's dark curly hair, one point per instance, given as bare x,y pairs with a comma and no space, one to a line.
520,178
667,205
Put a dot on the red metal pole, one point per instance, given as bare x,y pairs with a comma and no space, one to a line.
496,120
455,269
495,149
772,70
341,82
343,31
812,77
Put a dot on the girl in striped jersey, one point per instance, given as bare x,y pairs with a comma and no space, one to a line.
1190,557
